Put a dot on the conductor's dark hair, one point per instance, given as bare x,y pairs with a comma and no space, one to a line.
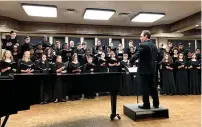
146,32
12,32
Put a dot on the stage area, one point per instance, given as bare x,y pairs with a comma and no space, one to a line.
184,111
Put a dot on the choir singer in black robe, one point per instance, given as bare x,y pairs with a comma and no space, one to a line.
89,68
147,55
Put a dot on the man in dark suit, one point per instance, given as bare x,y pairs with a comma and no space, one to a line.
147,55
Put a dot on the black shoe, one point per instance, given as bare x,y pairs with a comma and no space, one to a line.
144,107
155,106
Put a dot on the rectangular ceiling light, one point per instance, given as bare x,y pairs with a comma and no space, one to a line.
40,10
147,17
98,14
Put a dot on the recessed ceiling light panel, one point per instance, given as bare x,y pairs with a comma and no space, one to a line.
98,14
40,10
147,17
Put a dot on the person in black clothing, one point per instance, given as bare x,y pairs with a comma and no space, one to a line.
84,47
8,65
130,45
102,64
99,44
16,53
39,50
26,46
198,54
43,67
175,58
80,52
120,52
9,43
147,55
49,54
161,51
88,68
25,65
131,52
167,75
59,90
58,48
193,66
113,63
74,67
181,75
170,45
45,43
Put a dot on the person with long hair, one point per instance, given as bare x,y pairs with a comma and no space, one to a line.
59,87
25,65
113,63
8,65
102,63
74,67
193,66
43,67
181,75
167,75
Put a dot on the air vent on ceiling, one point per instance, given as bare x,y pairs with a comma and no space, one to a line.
124,14
70,11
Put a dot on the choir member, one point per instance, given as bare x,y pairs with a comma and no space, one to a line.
181,49
170,45
126,87
108,53
57,48
74,67
80,52
26,46
25,65
45,43
33,56
120,51
181,75
59,89
88,68
175,58
44,67
8,65
99,52
113,63
198,54
16,53
39,50
189,56
130,45
99,44
131,52
112,46
84,47
161,51
102,63
71,45
11,41
49,54
194,66
167,75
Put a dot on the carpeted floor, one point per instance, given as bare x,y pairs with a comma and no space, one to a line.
184,111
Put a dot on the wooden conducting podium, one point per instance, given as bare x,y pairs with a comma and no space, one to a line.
135,113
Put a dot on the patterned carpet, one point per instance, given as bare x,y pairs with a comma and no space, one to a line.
184,111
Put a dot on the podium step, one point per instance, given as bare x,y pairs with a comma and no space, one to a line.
135,113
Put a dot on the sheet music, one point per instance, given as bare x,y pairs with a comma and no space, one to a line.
132,69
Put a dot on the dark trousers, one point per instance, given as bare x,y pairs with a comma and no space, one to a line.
149,88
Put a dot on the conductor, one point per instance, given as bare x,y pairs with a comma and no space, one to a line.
147,55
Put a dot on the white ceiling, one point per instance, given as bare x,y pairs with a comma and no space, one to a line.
174,11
